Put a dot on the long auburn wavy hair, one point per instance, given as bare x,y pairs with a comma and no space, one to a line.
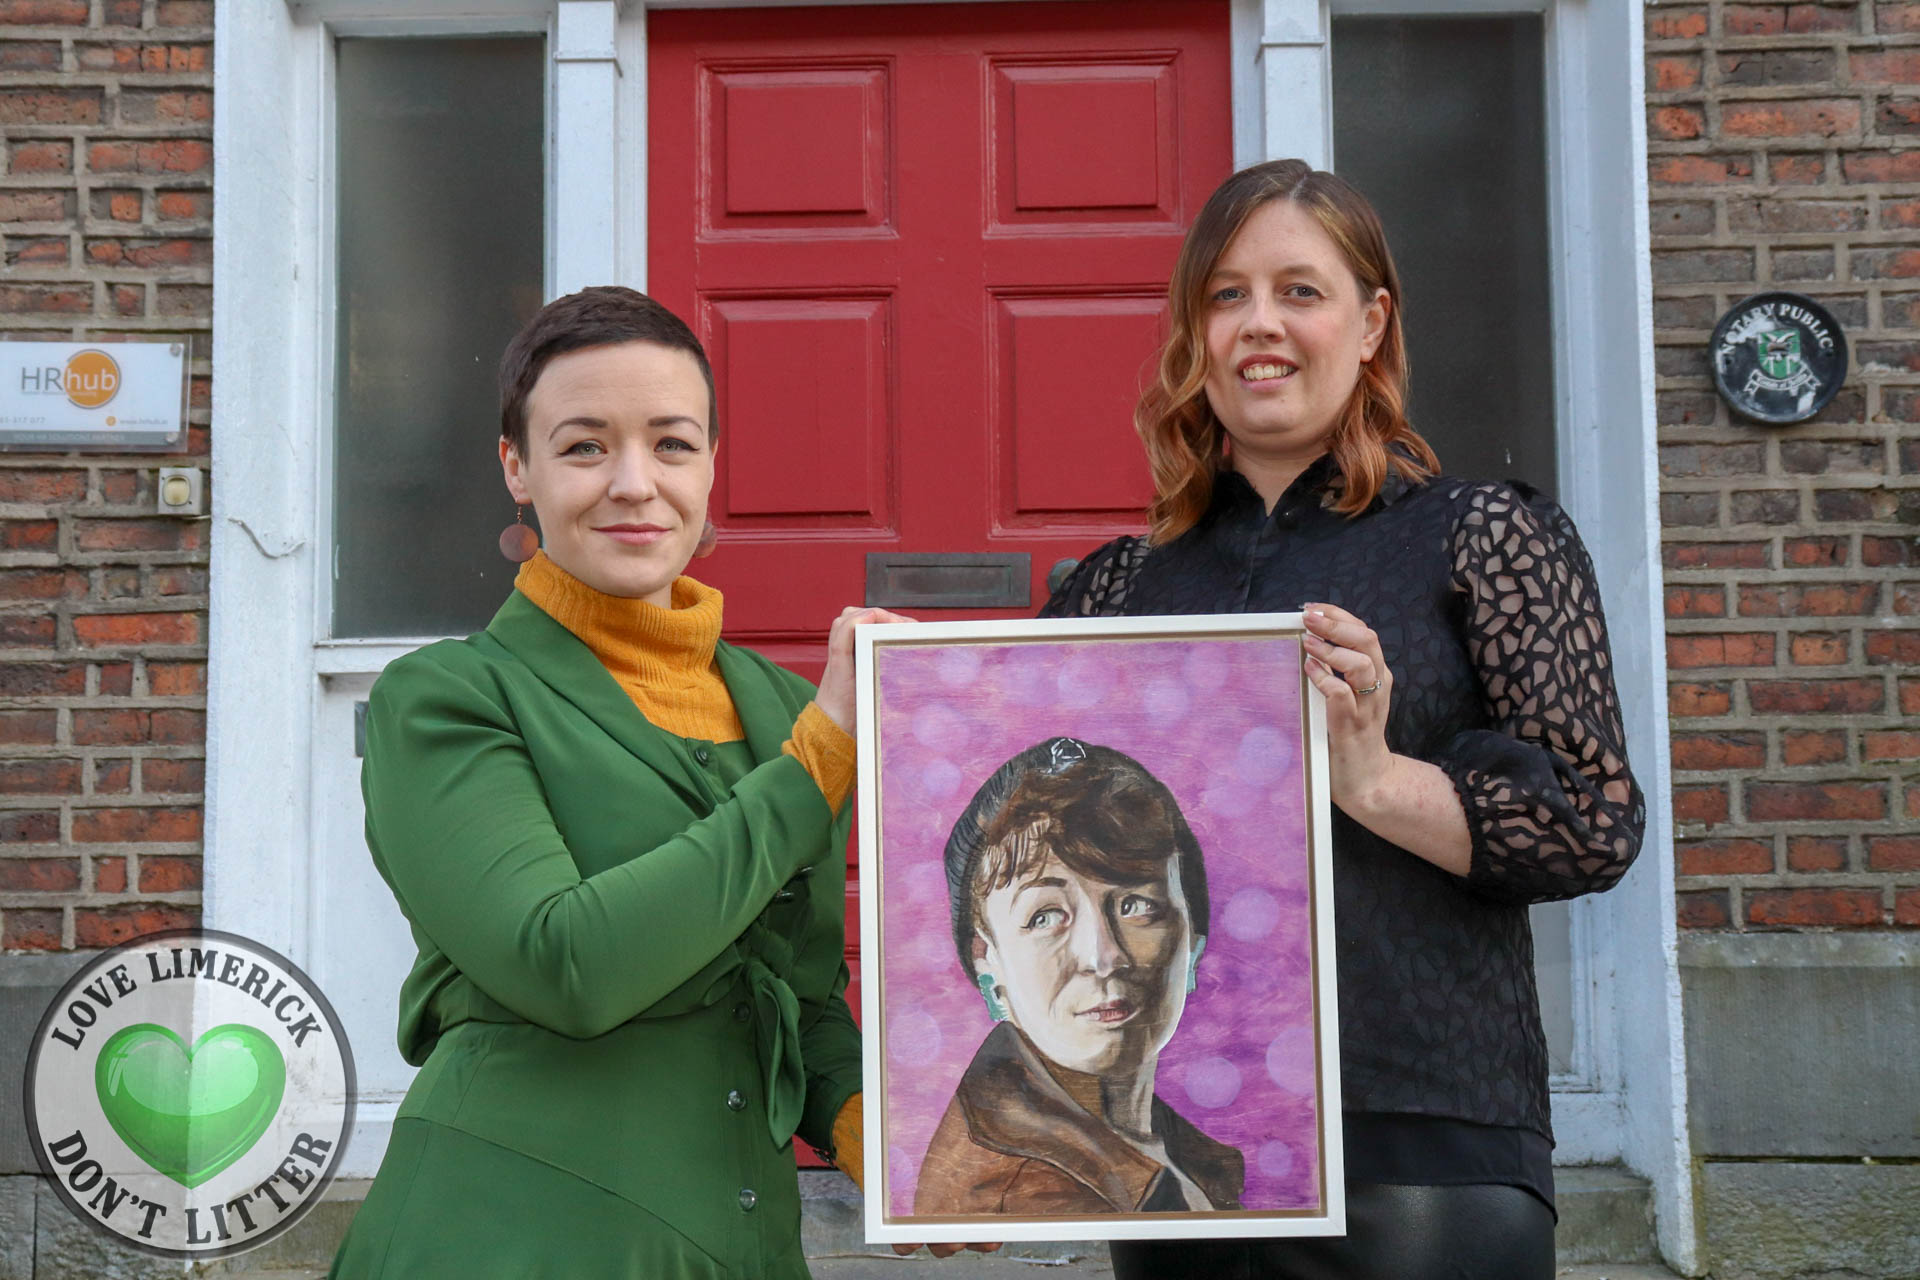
1185,442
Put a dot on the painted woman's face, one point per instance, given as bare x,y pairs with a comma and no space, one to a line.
1095,973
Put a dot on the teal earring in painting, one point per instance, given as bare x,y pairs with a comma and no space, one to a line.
1193,965
996,1007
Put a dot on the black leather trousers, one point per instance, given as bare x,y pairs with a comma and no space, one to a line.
1475,1232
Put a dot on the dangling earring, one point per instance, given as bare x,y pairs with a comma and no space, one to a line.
996,1007
518,543
1193,965
709,539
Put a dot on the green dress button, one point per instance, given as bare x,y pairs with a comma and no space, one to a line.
748,1199
736,1101
703,755
742,1011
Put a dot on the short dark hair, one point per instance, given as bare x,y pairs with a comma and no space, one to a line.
1107,817
600,316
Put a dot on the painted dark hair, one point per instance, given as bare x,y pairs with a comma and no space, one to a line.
1107,818
601,316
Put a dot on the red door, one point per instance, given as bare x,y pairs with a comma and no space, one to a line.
927,247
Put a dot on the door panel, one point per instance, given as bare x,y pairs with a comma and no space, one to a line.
927,246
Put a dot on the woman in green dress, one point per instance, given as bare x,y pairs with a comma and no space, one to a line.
619,842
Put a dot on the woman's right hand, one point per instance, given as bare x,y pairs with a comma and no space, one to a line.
836,696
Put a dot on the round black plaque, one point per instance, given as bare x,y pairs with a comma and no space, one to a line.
1778,357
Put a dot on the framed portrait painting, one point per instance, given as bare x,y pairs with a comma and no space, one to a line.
1096,919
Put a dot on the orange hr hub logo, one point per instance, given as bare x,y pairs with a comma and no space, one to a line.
88,379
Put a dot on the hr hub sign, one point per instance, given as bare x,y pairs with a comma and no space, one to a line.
117,396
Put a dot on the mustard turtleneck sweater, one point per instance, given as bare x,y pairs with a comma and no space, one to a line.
664,660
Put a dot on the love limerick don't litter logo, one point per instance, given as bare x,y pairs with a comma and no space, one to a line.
190,1093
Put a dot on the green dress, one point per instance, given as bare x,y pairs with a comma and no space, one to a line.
628,996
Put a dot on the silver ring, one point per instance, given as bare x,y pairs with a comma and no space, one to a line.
1372,688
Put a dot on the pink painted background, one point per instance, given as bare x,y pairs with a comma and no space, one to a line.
1219,722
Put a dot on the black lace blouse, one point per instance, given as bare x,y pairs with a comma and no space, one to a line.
1485,604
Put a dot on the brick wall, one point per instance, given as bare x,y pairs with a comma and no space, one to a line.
106,207
1784,149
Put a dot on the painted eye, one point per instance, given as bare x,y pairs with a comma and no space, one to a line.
1137,906
1046,918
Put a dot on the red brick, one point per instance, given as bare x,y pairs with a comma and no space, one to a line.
1704,910
50,106
1676,124
96,726
183,13
1813,600
150,253
1885,66
160,155
137,535
1902,214
184,206
1890,744
40,156
110,875
1893,648
41,485
1805,697
1724,857
1818,649
116,206
1753,19
165,106
1721,649
1708,170
28,728
176,679
1813,553
39,875
26,826
1810,854
1882,552
39,777
35,206
1906,907
115,679
169,875
1685,699
115,629
26,631
1813,746
1899,18
1897,115
161,776
1715,555
1797,170
38,679
129,299
1803,19
178,727
111,926
66,299
1696,602
43,13
1881,166
29,930
1893,853
1708,751
112,777
176,58
1810,117
122,826
1700,804
1814,907
1816,801
1676,24
1666,72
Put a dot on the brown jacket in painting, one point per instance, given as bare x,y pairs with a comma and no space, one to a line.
1012,1141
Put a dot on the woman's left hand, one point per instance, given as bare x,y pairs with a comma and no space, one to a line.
1345,663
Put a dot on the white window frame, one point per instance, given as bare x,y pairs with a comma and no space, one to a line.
272,405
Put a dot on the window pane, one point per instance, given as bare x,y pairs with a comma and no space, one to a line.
1441,122
440,181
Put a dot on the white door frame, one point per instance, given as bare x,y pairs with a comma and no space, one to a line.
269,657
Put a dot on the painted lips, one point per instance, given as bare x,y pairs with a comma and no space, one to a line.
1113,1011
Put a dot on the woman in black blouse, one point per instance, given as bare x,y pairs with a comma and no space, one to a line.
1477,756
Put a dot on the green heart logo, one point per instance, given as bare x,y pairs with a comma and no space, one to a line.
189,1113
